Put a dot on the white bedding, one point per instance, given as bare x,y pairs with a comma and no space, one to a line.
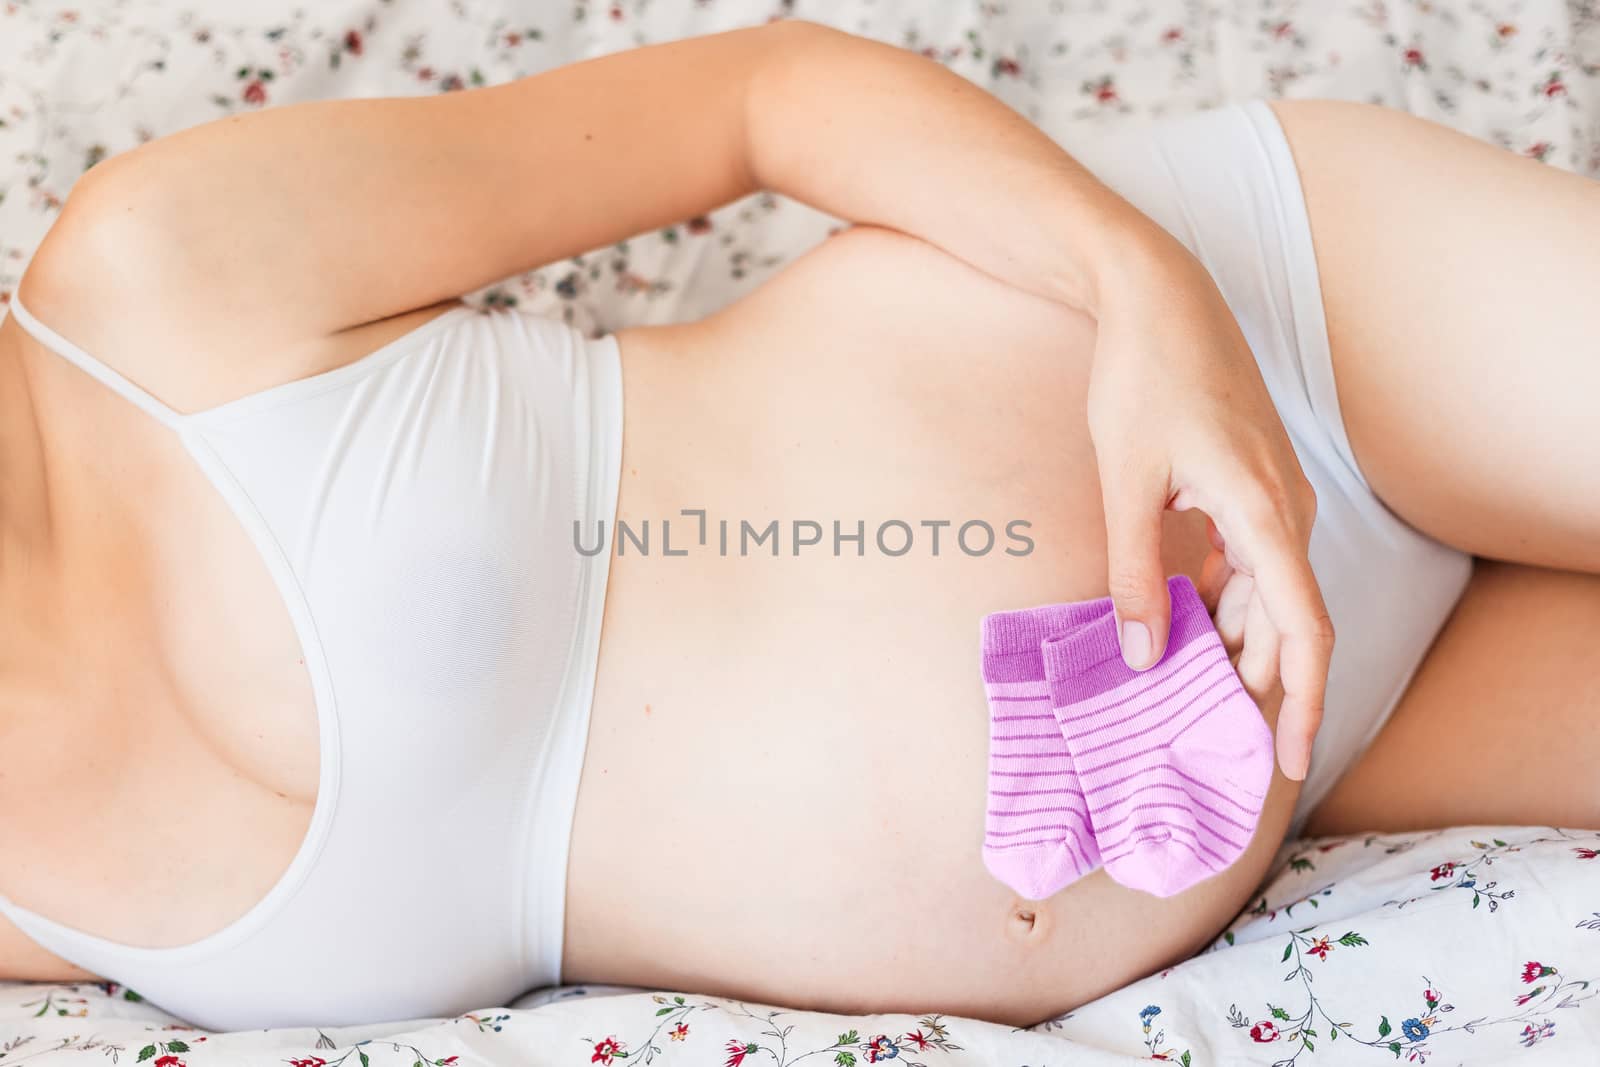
1469,946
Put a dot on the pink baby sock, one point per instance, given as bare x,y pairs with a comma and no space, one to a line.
1174,761
1037,837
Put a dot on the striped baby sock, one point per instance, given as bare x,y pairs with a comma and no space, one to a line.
1174,761
1037,838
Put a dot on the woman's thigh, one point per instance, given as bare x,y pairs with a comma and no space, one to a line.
812,729
1458,281
1501,724
1459,284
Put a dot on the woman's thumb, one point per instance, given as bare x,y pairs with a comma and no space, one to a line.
1137,578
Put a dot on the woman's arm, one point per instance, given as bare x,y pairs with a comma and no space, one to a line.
252,234
335,213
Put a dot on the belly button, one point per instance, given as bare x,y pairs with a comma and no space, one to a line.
1027,920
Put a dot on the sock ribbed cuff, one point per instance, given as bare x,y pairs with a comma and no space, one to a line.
1012,640
1088,661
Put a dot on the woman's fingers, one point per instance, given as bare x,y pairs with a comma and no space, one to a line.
1274,540
1232,607
1258,662
1135,498
1252,642
1215,571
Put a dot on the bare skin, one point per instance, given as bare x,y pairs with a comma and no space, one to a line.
851,873
1461,274
815,777
855,880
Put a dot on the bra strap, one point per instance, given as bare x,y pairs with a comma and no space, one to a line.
92,366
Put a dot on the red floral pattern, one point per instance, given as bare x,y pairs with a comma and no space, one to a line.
1514,72
1501,959
80,83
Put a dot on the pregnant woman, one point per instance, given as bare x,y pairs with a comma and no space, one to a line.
317,706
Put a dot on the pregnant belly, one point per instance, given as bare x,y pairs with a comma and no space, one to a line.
784,786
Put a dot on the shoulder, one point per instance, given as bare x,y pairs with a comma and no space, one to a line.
105,280
106,259
102,279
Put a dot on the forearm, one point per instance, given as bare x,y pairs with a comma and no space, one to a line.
877,134
341,212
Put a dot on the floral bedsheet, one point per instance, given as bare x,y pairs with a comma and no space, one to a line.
80,81
1478,945
1470,946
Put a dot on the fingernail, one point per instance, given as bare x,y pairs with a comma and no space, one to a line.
1136,644
1294,767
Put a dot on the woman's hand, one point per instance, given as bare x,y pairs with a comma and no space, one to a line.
1181,418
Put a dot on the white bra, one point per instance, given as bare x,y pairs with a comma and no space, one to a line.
415,509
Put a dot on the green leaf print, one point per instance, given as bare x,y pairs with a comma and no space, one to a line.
145,1053
1384,1029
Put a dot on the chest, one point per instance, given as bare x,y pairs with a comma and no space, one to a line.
309,632
169,730
243,692
364,570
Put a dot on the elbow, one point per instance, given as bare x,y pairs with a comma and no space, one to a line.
793,62
798,31
794,39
